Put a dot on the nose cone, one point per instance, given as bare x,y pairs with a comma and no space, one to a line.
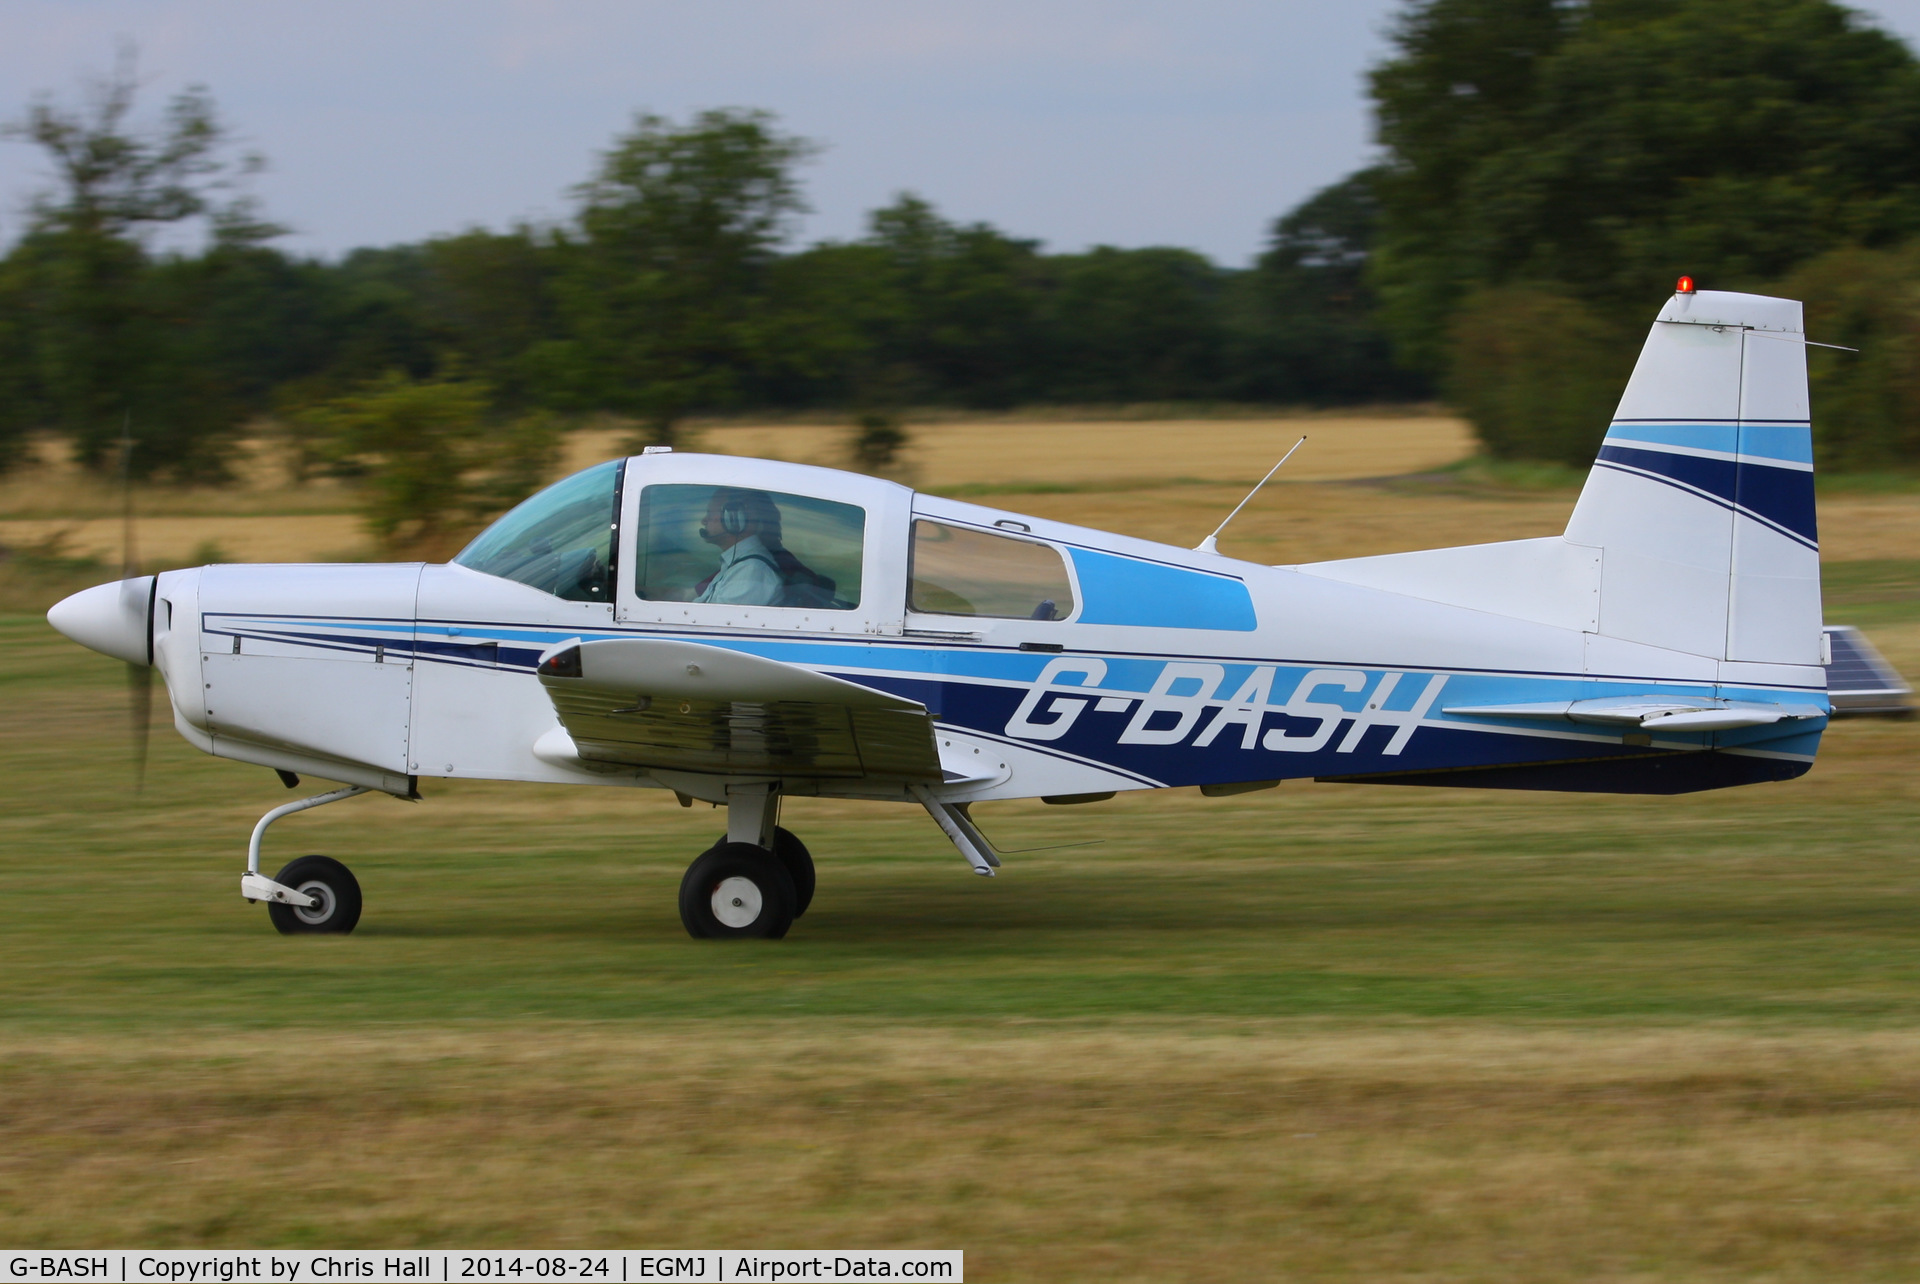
110,618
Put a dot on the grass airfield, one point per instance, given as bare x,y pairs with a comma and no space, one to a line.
1321,1032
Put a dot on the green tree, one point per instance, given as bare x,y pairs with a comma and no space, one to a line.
664,287
487,297
104,350
1305,324
1529,366
960,315
1134,325
1461,91
1600,150
876,441
431,460
377,316
22,405
829,305
1866,401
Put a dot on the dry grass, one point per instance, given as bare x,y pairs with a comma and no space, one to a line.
1103,453
1290,522
189,541
1859,528
1223,1151
52,486
1168,480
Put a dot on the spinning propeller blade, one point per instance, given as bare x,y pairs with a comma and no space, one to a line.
132,588
140,702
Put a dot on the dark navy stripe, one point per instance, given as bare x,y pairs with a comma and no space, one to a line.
1783,495
1715,500
881,644
1714,476
1780,497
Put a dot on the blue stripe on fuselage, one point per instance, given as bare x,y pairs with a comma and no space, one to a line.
1132,591
979,689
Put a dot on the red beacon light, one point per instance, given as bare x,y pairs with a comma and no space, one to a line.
1685,286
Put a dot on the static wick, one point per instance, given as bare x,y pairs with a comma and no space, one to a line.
1207,545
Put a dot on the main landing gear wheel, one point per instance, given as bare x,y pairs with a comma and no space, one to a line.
737,890
792,853
335,891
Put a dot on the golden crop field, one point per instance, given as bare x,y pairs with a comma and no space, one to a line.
1360,485
1325,1032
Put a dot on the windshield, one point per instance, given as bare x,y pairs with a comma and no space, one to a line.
560,541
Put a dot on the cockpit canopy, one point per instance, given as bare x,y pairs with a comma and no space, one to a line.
702,540
559,541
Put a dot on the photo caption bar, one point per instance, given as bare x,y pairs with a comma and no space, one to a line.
441,1266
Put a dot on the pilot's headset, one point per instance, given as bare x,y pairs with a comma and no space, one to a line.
733,517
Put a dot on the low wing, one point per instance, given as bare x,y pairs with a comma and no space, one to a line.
686,706
1650,712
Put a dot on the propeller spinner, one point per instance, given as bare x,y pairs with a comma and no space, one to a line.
114,619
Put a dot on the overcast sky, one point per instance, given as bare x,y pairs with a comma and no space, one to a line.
1078,122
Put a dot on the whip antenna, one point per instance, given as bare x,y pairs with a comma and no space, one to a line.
1206,545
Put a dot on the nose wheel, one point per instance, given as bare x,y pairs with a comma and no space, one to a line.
311,894
333,895
736,891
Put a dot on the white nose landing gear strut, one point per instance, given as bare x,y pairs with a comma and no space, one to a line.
313,893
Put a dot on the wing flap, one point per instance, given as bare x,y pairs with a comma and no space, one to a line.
686,706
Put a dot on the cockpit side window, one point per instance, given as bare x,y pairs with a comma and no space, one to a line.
959,571
738,546
560,541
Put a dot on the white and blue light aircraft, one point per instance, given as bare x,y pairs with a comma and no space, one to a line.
741,631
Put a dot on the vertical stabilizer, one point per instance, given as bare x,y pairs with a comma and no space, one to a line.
1701,501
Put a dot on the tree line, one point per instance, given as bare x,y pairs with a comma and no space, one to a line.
1551,168
673,290
1545,170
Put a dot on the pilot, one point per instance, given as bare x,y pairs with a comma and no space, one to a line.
745,526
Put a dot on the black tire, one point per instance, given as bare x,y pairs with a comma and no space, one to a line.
326,878
736,891
799,862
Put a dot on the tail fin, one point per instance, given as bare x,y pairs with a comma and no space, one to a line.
1701,501
1695,531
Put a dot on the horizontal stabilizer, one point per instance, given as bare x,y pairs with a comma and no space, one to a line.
1649,713
1859,679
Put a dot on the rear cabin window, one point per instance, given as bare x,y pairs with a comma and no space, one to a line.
958,571
739,547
